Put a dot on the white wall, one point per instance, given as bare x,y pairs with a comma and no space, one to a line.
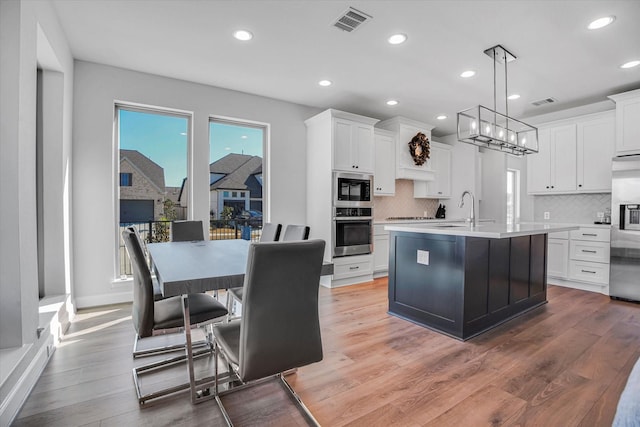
97,87
30,36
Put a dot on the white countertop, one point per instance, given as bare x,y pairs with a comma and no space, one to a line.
487,229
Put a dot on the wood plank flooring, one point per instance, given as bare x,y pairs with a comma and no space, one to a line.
563,364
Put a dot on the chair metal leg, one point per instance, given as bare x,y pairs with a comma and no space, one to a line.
297,399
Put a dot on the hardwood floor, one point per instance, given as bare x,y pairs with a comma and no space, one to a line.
563,364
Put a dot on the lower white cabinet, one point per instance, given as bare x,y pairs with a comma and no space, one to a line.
380,250
558,258
580,259
352,269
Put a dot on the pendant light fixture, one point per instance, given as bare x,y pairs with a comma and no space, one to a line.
487,128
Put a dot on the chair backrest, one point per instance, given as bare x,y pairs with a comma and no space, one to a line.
295,232
142,308
280,327
270,232
186,231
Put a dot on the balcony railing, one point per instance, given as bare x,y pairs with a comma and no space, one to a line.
160,231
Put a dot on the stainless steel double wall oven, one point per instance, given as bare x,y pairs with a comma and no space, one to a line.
352,214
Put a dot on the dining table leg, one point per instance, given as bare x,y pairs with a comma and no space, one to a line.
188,348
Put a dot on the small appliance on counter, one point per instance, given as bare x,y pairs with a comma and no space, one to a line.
625,229
441,212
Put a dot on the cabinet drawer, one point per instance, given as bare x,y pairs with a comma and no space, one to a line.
586,271
343,267
583,250
595,234
559,235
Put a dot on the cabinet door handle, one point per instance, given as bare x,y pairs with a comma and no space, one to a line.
589,234
579,185
547,186
588,271
591,252
354,268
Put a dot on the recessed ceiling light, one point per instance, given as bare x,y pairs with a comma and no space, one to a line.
183,133
513,96
392,102
630,64
397,39
601,22
243,35
467,74
227,148
244,137
324,82
441,117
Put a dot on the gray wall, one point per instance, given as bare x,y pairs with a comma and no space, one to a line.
97,87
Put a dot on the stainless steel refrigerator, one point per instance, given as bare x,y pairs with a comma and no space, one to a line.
624,278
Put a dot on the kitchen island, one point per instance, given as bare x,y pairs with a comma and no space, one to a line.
462,280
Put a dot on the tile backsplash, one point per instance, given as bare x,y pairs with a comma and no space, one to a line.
580,208
403,203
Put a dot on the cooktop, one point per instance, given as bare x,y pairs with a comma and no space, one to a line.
398,218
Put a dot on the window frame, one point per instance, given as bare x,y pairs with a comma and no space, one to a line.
513,175
148,109
266,151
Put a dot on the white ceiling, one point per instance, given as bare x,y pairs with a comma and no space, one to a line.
295,46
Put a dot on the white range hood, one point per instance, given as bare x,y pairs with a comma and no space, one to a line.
405,129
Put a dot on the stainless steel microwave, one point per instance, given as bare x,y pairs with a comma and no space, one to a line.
352,189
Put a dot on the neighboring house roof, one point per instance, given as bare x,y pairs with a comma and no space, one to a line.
237,168
173,193
234,172
153,171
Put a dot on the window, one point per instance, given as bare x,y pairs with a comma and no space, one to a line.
152,154
236,153
125,179
513,196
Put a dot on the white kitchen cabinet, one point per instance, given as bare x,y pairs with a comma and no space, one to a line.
580,259
574,156
353,146
627,122
440,186
336,138
553,168
595,148
558,258
404,130
381,253
384,177
351,267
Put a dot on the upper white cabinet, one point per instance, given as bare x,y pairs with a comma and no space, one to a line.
404,130
353,146
595,149
384,177
553,168
440,187
627,122
574,156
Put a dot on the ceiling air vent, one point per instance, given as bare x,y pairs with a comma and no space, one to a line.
544,101
351,19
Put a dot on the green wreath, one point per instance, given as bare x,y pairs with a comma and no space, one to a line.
419,148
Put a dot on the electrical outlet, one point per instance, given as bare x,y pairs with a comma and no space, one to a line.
547,215
423,257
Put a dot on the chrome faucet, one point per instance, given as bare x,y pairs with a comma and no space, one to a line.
472,218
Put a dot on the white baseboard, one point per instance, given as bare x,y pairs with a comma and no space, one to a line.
104,299
584,286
